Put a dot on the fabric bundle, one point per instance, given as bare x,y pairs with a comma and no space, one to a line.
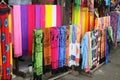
62,47
37,52
54,40
17,31
4,44
47,49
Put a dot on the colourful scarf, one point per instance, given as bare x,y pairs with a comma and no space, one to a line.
54,39
67,44
62,47
37,53
42,16
47,49
5,43
31,26
17,31
24,26
37,17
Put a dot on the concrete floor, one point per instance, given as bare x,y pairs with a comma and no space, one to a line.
111,71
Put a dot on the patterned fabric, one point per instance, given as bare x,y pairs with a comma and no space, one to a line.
62,47
5,68
54,40
37,52
47,49
114,24
67,44
118,33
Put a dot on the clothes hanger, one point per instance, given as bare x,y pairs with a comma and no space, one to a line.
3,2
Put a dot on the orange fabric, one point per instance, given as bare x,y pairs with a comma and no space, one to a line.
67,44
47,47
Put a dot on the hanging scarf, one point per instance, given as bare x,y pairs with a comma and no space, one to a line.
31,26
48,18
17,31
54,15
24,26
42,16
58,16
47,50
54,39
118,33
5,42
37,17
37,53
67,44
62,47
78,38
10,31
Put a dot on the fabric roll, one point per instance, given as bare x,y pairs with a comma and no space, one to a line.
42,16
37,17
48,18
17,31
62,47
37,52
47,49
31,26
54,15
54,39
67,44
58,23
10,31
24,26
5,42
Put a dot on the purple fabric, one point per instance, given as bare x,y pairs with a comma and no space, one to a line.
37,24
24,24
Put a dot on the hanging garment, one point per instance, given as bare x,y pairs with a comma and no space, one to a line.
78,40
72,52
10,31
62,47
17,31
54,40
37,17
107,2
118,33
47,50
92,21
102,46
48,16
5,43
114,24
90,4
31,26
37,52
58,16
67,44
24,26
54,15
84,50
42,16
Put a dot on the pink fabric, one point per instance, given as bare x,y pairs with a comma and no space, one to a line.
58,16
17,31
42,16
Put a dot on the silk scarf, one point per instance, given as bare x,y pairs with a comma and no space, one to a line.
24,26
5,43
